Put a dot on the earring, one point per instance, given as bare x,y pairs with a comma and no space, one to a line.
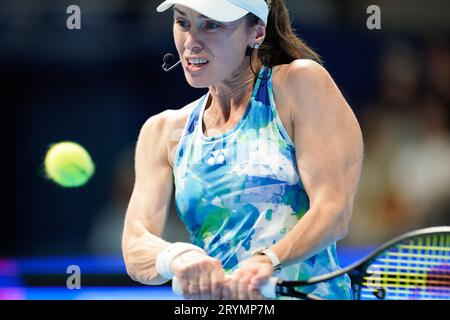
257,45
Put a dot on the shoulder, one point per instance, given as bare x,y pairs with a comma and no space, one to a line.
164,129
304,74
306,66
315,101
301,81
311,91
168,120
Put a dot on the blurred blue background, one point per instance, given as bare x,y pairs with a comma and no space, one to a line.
98,85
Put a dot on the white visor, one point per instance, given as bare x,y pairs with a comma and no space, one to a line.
222,10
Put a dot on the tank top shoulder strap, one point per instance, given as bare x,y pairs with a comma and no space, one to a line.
268,109
194,116
189,127
262,85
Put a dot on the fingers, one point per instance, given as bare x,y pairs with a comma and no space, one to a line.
243,287
244,284
254,294
226,292
200,278
194,289
238,286
189,287
204,287
184,286
255,284
203,278
258,279
217,283
233,288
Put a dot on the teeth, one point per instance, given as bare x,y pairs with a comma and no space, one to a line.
198,61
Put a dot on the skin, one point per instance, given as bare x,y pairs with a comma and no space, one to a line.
329,150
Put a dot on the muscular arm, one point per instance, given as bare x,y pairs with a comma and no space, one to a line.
329,149
148,207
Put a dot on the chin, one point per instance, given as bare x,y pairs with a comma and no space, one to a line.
197,82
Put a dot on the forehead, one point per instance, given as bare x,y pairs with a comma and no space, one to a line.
183,12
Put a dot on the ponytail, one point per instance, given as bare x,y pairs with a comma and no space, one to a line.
281,45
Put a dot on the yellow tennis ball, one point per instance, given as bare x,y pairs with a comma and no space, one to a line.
68,164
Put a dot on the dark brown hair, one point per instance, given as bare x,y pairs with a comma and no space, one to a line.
281,45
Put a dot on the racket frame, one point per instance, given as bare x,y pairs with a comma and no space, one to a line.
356,271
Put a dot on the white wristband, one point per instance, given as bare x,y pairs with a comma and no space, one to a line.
165,257
272,256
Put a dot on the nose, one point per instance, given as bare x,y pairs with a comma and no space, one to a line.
193,43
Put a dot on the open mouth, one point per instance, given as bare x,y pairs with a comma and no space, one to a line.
196,64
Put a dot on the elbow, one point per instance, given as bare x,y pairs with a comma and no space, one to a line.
148,277
337,215
130,267
142,271
131,270
139,254
341,231
342,223
139,277
132,273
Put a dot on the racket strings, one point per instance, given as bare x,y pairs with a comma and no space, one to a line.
415,269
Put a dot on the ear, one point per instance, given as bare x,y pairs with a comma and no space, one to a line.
259,33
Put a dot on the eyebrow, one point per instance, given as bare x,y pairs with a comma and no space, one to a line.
184,14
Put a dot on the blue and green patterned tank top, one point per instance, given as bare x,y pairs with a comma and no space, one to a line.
240,191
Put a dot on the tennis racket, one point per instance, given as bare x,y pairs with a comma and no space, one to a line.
413,266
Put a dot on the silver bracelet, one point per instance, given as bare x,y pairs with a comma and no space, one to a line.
276,264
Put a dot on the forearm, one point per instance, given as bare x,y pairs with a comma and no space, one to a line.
140,253
316,230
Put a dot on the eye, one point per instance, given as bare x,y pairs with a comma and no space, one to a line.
182,23
212,26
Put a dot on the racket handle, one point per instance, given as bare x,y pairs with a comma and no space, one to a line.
267,289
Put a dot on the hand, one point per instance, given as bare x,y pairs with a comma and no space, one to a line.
200,276
245,281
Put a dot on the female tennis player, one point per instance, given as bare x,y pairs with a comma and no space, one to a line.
265,165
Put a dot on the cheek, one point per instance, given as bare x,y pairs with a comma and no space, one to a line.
179,41
233,58
228,54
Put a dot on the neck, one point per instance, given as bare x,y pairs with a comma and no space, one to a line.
231,96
